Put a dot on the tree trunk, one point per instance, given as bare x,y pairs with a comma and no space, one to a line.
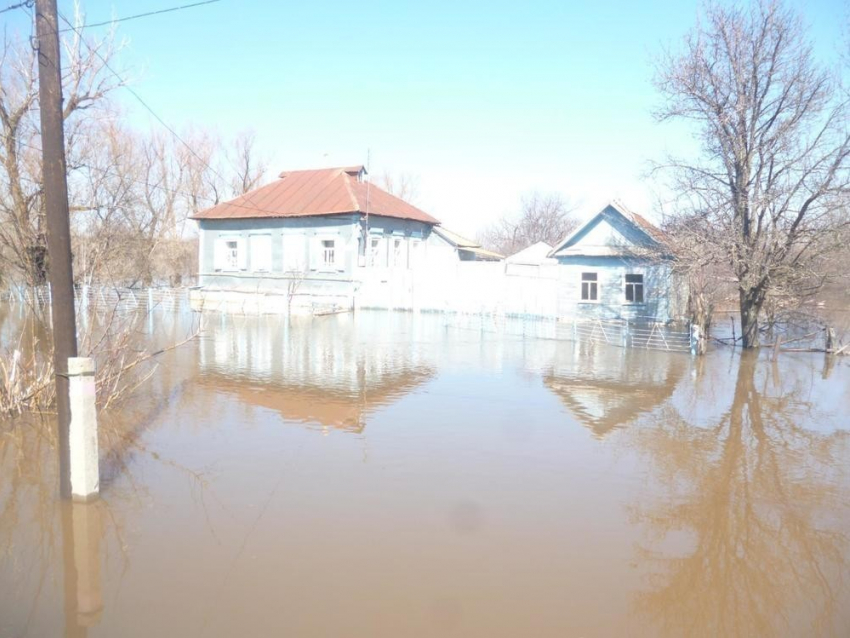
36,267
751,303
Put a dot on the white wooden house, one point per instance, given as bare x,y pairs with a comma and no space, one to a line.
615,266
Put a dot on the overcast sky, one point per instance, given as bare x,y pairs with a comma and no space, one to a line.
483,101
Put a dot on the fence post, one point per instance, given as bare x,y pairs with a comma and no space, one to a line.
625,334
85,473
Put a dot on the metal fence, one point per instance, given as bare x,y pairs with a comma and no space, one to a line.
105,298
620,333
646,335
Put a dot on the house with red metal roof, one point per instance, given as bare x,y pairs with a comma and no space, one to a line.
321,232
615,266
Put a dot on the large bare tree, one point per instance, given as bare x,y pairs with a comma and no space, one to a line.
765,194
542,217
86,83
134,192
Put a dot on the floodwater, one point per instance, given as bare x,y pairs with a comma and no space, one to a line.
396,475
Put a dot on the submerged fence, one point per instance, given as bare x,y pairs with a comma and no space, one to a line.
105,298
647,335
612,332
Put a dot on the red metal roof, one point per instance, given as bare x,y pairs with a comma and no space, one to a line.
326,191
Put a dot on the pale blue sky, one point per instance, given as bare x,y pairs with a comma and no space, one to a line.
484,101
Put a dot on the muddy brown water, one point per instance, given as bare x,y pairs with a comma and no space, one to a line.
392,475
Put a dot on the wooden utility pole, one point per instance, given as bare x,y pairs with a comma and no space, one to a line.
58,225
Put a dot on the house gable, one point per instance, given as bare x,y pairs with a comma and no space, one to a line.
611,232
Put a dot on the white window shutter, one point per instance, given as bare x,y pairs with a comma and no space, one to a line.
241,253
340,248
261,253
293,253
315,253
218,254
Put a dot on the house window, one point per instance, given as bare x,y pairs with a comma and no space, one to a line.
415,253
589,287
375,251
328,252
634,288
231,255
398,253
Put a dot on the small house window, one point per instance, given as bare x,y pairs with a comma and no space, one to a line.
398,253
415,253
634,288
231,255
375,251
328,252
589,287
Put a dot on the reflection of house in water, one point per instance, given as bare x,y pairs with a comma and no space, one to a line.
606,388
319,371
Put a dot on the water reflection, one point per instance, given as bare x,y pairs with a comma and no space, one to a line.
606,388
748,527
717,504
82,532
322,372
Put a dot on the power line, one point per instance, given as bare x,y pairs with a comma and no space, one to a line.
134,17
26,4
169,191
147,106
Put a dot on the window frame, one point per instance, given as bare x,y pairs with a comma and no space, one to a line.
227,259
398,252
634,287
591,280
373,257
324,264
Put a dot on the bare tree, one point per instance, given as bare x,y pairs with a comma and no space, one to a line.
85,83
133,195
768,185
249,169
542,217
403,185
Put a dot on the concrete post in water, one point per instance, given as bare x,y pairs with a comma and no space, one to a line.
696,340
82,532
829,344
85,473
87,533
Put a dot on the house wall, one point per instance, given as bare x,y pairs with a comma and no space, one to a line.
296,269
428,275
611,274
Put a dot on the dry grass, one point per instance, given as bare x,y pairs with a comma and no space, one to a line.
121,349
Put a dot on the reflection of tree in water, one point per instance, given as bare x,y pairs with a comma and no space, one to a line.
764,501
43,539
